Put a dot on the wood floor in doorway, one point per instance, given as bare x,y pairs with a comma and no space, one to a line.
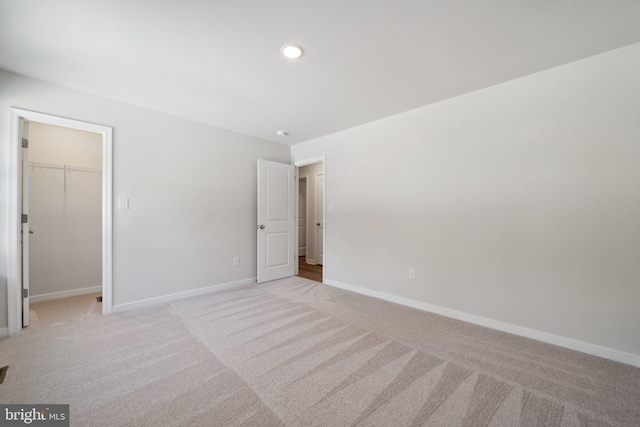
309,271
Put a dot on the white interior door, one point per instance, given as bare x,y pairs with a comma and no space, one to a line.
302,217
25,223
320,219
276,220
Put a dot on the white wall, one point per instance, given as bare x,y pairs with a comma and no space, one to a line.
192,191
64,212
311,172
518,203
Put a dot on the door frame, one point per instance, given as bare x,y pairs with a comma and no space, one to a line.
298,164
317,241
14,260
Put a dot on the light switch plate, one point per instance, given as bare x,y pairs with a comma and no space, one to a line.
330,207
123,203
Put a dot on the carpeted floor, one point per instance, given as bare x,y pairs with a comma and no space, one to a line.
296,352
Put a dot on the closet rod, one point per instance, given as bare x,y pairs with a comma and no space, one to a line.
63,167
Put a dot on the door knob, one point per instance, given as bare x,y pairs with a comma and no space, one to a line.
318,224
261,227
31,231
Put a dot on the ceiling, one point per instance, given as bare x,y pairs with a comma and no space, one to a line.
218,61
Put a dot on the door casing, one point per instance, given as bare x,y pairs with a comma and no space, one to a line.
14,271
319,217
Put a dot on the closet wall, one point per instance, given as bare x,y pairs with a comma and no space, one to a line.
65,208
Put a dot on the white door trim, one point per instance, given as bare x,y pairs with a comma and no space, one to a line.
14,261
304,162
311,161
319,218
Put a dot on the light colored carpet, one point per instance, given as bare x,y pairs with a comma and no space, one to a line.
296,352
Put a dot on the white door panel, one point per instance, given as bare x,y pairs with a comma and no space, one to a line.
25,226
276,223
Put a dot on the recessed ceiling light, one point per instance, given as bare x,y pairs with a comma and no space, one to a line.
292,51
281,133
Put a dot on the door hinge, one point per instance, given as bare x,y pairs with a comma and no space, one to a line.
25,218
25,293
25,143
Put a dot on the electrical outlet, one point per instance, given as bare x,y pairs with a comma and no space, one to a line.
236,261
412,274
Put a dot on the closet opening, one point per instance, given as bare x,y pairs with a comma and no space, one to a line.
65,223
60,255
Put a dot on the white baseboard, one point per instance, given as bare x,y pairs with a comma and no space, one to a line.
596,350
64,294
4,332
311,261
302,251
180,295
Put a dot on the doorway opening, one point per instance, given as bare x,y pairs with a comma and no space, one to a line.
64,194
310,231
50,175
